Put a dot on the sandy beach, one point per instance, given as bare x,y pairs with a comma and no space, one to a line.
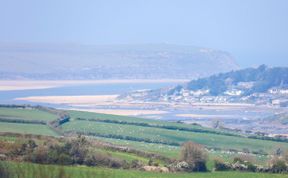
72,100
7,85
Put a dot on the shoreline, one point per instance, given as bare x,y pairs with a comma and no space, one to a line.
9,85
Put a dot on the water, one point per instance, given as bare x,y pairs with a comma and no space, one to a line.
240,118
7,97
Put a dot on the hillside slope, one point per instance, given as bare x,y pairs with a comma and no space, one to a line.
262,85
155,61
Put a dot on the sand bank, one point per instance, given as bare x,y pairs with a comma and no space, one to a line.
6,85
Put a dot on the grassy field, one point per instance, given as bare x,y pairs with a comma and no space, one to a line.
27,170
26,114
172,136
165,150
35,129
173,151
18,115
135,120
100,124
126,128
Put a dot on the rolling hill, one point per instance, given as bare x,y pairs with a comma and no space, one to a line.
67,61
262,85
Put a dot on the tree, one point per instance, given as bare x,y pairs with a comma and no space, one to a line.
220,165
78,149
278,165
195,155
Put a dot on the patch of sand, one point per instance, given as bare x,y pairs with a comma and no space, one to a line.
6,85
73,100
24,85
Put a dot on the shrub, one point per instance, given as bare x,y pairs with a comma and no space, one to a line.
251,167
136,164
278,165
244,163
238,159
64,159
21,148
195,155
151,162
220,165
90,160
40,155
78,149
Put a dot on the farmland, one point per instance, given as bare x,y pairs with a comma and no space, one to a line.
135,129
26,114
35,129
162,137
143,136
136,132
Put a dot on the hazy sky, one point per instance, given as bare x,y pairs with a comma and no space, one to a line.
253,31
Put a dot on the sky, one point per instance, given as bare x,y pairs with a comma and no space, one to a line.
254,31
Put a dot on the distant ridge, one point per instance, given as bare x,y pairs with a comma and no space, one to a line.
142,61
262,85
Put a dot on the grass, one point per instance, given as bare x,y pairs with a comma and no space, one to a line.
135,120
27,170
173,151
26,114
172,136
26,129
143,132
165,150
129,157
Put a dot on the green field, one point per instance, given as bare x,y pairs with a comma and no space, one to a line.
165,150
164,137
26,114
171,136
27,170
150,122
165,140
35,129
173,151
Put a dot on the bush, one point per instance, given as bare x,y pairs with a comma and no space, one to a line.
78,149
199,166
278,165
244,163
220,165
195,155
64,159
39,155
152,162
21,148
251,167
238,159
136,164
90,160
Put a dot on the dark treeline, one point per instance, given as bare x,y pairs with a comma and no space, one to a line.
22,121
